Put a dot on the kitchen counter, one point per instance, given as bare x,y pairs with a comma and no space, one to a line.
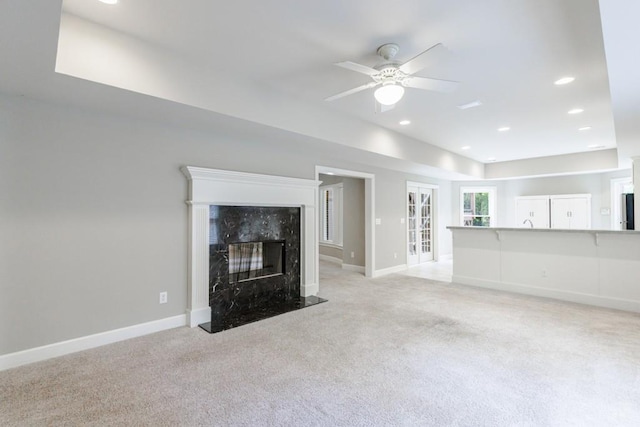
597,267
552,230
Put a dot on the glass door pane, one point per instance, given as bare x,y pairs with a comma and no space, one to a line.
425,222
426,225
412,218
419,225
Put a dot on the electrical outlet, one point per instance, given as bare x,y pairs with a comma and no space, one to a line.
163,297
353,254
401,220
544,272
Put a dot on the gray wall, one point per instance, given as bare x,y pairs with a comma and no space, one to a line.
93,220
331,251
353,221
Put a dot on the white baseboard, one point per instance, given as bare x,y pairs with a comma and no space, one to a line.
331,259
580,298
390,270
50,351
351,267
198,316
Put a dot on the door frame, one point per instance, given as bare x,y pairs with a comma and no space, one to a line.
617,186
369,213
435,205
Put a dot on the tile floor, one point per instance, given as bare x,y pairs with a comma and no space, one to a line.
441,270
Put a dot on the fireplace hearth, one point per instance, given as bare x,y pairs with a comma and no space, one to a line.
254,264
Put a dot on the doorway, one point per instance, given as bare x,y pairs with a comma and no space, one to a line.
619,186
420,223
369,211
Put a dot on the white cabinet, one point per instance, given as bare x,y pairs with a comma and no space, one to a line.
532,212
571,211
568,211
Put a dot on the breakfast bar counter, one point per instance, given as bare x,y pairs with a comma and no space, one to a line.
597,267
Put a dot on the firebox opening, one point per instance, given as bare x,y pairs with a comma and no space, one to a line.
255,260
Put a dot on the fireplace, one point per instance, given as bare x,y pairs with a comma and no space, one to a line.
215,187
254,264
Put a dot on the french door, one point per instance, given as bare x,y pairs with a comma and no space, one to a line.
419,225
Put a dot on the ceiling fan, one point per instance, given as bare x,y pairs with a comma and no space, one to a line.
393,77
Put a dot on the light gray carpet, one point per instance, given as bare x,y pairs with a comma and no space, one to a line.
390,351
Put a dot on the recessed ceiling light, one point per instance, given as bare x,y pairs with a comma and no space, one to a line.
109,1
575,111
330,173
491,159
564,81
466,147
405,122
504,129
471,104
585,128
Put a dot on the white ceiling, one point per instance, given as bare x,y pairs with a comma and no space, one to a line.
505,53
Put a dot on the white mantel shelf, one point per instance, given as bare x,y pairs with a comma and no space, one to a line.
597,267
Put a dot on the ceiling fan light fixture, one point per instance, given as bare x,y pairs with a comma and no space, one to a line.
389,93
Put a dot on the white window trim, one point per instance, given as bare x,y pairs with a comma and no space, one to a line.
493,212
337,240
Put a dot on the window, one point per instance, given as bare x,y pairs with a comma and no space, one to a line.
331,214
477,206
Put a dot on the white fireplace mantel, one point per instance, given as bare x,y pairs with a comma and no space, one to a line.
221,187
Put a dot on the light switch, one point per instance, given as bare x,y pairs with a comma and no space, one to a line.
378,221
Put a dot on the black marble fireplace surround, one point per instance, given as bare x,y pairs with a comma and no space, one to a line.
237,302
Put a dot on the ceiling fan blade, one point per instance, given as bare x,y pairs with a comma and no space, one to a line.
358,68
351,91
430,84
434,54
